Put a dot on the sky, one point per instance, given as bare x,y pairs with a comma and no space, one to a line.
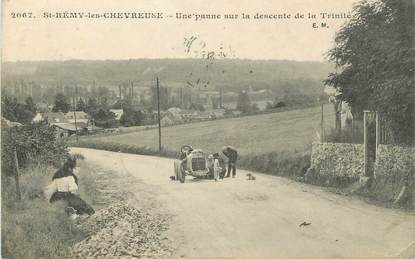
31,39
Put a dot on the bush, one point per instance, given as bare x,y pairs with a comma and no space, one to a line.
34,143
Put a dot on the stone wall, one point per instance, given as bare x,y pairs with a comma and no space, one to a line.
336,163
340,164
394,168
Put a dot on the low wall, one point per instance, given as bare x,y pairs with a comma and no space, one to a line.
336,163
394,168
340,164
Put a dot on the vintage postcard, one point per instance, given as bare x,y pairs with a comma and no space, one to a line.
207,129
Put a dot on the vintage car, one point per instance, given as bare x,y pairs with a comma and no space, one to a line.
194,162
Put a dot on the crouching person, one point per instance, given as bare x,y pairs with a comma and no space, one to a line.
64,187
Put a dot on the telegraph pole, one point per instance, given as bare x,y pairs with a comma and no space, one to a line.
158,112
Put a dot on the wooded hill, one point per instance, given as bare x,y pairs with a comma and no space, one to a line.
235,74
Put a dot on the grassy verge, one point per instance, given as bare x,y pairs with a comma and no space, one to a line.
291,164
35,228
130,149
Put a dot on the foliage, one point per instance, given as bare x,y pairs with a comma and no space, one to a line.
103,117
34,143
131,117
277,104
164,97
80,105
12,110
243,103
30,105
198,107
61,104
375,53
92,105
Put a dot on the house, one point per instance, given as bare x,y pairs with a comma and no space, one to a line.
118,113
166,121
38,117
236,112
56,117
63,129
171,119
80,116
9,124
175,110
218,113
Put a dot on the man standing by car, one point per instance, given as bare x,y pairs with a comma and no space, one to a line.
232,155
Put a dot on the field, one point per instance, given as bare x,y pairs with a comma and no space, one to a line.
251,135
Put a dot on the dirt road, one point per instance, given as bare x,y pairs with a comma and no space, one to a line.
261,218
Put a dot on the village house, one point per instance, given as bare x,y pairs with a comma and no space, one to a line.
118,113
80,116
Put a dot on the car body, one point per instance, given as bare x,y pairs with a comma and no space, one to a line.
191,162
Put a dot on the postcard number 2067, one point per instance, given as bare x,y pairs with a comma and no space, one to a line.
21,15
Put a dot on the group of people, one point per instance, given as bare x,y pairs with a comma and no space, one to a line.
214,162
64,187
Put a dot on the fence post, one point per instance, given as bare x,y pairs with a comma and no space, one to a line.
377,131
365,143
16,175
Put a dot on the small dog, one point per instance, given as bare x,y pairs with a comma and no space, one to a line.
250,176
172,177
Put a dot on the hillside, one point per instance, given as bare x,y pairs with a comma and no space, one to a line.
252,135
232,74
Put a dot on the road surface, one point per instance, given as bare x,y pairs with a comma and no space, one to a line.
261,218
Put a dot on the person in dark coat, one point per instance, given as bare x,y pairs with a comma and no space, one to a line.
64,187
232,154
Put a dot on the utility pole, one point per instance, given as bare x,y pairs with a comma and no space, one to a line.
132,90
158,112
16,175
74,112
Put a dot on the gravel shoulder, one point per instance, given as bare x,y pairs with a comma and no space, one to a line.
261,218
129,221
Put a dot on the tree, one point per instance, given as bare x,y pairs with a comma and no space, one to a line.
164,97
8,107
30,105
92,106
61,104
243,103
131,117
80,105
104,118
12,110
375,55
